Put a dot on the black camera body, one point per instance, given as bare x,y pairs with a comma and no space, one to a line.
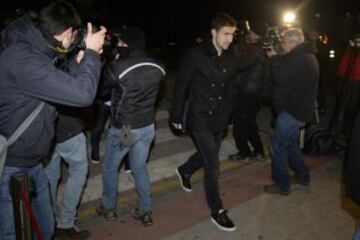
272,40
110,41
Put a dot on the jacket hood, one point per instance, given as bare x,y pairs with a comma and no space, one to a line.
24,29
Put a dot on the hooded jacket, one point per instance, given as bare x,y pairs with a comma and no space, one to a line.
295,85
134,95
27,77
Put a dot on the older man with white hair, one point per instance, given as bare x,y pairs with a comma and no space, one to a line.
296,75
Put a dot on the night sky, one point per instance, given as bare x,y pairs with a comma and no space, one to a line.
177,20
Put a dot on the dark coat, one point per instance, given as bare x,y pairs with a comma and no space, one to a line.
296,79
134,95
353,164
28,77
206,84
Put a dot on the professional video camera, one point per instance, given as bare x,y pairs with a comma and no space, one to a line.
272,40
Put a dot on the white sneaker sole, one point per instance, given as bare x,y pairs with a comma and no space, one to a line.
181,182
223,228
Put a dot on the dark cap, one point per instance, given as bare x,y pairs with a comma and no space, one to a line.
134,37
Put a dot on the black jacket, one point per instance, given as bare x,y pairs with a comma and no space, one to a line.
204,88
296,78
28,77
134,95
353,165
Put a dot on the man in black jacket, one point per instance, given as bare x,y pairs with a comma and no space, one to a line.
136,82
27,78
296,76
353,170
203,92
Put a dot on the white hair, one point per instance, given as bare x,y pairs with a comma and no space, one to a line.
294,35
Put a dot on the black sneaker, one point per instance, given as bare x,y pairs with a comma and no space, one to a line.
257,157
240,157
95,160
109,214
295,180
274,189
184,181
145,219
222,221
71,233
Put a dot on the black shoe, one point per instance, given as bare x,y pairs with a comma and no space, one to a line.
145,219
295,180
184,181
109,214
95,160
222,221
257,157
71,233
274,189
240,157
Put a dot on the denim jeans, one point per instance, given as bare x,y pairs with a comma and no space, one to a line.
138,153
40,202
285,151
207,156
357,233
73,151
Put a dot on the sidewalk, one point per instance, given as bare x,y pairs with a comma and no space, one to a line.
315,212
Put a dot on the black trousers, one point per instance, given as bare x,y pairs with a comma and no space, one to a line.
245,128
207,156
102,112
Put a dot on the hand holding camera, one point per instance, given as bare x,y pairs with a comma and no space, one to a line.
95,40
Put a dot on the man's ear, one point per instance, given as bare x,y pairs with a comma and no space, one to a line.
64,34
213,32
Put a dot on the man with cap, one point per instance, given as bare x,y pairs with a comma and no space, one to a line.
135,80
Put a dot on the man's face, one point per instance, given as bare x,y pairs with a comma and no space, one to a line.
223,37
287,45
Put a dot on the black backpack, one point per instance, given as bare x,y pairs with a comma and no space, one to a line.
318,138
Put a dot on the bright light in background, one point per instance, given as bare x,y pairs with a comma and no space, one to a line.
289,18
332,53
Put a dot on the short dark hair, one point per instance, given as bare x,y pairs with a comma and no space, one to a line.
222,20
58,16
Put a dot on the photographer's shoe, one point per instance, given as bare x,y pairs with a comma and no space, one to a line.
295,180
109,214
184,181
222,221
145,219
274,189
71,233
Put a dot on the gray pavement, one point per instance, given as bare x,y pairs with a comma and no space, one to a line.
319,212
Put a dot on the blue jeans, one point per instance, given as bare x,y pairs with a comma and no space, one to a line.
41,203
138,154
285,150
73,151
357,233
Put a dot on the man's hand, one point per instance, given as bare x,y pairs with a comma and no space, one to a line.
79,56
177,126
95,40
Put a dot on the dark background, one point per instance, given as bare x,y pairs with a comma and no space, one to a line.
180,21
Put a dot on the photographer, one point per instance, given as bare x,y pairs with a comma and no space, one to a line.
248,100
295,75
29,77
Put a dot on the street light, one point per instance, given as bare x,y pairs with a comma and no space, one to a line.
289,18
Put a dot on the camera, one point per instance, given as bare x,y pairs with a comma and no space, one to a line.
110,41
355,41
272,40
